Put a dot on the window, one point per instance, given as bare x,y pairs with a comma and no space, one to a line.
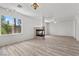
10,25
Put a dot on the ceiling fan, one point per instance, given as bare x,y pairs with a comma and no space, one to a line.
35,6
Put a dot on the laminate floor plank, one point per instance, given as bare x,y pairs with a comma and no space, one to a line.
50,46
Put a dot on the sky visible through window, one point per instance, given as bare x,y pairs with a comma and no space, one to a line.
11,20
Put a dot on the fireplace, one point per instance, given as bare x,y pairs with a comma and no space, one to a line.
40,32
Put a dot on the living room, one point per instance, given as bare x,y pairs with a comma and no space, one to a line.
57,24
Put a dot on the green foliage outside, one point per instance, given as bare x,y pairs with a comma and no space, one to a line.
6,29
7,23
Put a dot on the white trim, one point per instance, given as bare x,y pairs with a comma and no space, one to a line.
11,34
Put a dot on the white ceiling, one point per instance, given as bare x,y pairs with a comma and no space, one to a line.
56,10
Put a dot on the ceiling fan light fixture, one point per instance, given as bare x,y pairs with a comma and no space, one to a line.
35,6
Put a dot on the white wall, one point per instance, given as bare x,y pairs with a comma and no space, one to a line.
28,24
74,28
77,28
64,28
46,28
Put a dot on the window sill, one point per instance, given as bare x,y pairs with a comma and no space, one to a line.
12,34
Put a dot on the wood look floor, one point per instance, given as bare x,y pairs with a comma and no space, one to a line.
50,46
